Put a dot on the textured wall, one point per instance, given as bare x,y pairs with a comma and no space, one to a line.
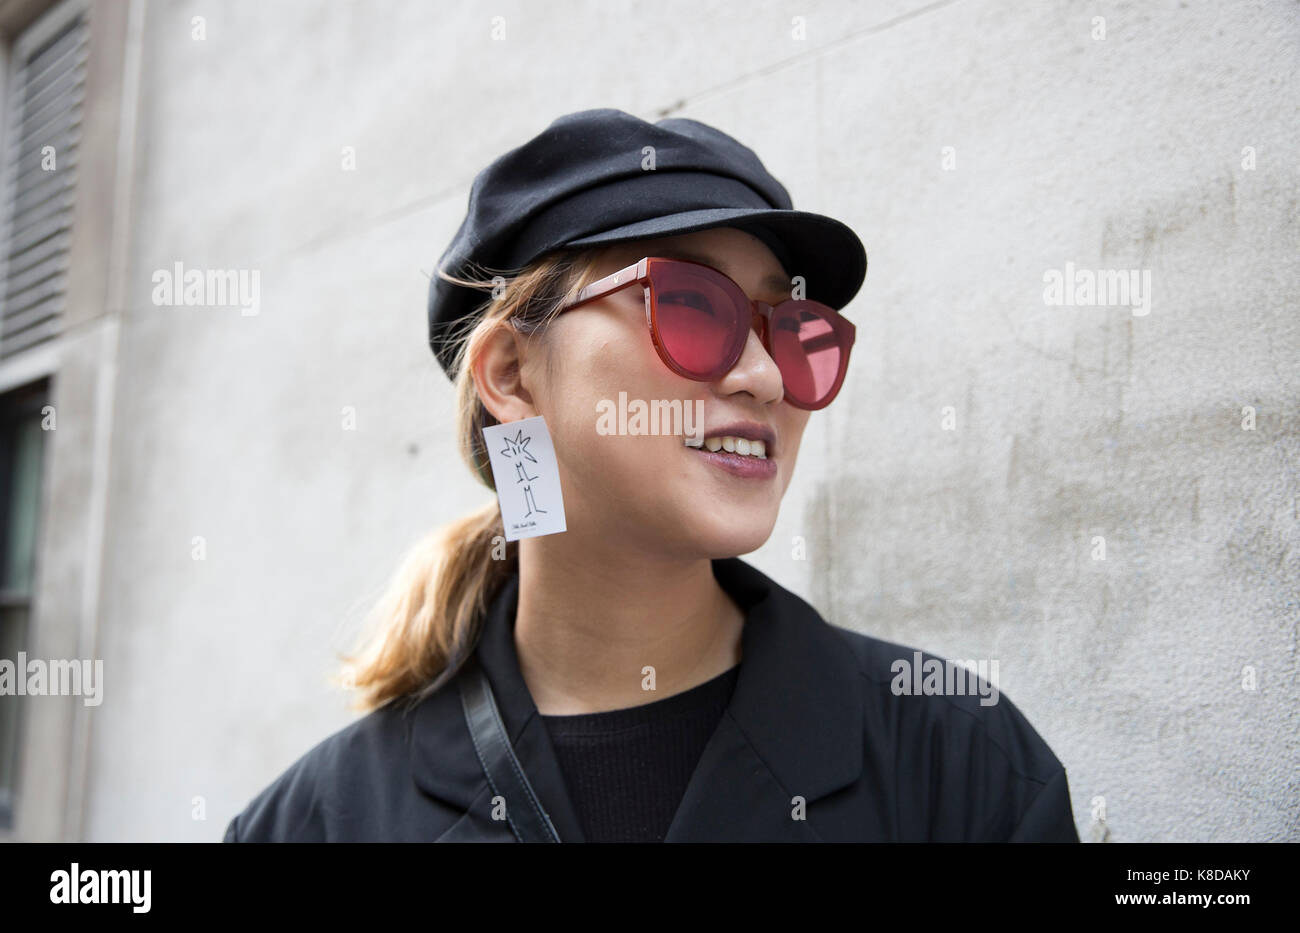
971,538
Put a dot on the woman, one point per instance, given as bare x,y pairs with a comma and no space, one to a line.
628,678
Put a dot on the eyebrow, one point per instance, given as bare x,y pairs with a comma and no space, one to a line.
776,283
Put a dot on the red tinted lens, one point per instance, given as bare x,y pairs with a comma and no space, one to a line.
700,324
807,349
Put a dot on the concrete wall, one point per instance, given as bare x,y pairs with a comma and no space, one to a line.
950,499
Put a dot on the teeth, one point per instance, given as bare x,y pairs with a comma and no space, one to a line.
737,445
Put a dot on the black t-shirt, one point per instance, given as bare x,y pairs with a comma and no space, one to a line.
626,770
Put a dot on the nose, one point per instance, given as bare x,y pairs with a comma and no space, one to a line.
762,312
755,371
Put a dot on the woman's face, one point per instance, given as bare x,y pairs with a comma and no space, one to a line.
653,491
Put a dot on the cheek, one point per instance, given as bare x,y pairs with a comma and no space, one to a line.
592,362
598,352
791,422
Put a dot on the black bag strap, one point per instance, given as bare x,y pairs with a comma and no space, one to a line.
505,775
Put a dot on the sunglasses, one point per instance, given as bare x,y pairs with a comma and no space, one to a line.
699,320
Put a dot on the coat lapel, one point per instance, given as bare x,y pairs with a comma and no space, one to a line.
793,728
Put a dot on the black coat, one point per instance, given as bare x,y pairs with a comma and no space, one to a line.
812,716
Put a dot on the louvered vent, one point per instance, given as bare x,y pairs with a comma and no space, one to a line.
45,111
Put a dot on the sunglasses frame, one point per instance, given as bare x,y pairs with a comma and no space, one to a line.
639,273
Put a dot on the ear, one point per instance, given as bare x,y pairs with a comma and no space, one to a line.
497,372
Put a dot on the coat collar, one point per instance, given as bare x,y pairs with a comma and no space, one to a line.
794,726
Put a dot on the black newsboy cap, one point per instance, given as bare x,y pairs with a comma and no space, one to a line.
587,180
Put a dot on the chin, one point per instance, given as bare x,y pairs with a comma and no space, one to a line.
715,542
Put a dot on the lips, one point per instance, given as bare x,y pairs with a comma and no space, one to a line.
746,467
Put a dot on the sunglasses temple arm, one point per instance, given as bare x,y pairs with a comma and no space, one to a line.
610,283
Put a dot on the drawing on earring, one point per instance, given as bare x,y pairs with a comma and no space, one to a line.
527,478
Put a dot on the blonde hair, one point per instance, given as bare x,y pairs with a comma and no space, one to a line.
428,620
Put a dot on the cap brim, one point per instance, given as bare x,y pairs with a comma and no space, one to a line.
826,252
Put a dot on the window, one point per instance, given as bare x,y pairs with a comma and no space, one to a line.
59,133
44,103
21,453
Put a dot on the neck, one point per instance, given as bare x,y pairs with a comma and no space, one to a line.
589,622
